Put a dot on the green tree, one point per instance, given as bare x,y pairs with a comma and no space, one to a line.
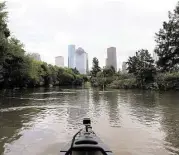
45,73
34,72
65,78
4,34
78,80
15,65
1,75
53,73
3,21
75,71
167,47
142,66
101,79
95,68
85,78
109,71
18,69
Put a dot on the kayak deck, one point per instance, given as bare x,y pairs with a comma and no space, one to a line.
85,142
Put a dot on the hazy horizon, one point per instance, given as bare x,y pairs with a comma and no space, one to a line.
48,27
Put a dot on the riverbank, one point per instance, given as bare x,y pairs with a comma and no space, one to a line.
162,81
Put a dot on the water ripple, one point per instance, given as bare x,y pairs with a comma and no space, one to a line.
129,121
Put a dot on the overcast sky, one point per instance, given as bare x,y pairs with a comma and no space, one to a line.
48,26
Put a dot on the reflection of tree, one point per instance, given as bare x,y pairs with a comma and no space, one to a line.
112,107
11,123
95,100
170,120
150,107
95,97
142,105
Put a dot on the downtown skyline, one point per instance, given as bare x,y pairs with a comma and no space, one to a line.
118,24
78,58
110,59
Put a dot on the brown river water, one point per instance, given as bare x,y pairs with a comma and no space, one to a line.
130,122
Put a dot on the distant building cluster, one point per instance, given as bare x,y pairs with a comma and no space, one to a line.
111,60
78,58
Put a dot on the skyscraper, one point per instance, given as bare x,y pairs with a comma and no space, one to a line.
81,61
59,61
124,67
71,56
106,62
111,57
35,56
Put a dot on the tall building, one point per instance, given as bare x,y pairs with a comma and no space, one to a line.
124,67
71,56
111,57
81,61
35,56
106,62
59,61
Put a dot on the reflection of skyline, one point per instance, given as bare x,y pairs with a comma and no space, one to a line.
95,100
78,108
112,107
105,104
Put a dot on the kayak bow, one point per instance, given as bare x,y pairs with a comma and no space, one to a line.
85,142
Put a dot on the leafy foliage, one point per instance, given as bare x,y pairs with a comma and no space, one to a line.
75,71
124,84
168,81
95,68
101,77
109,71
142,66
167,47
18,69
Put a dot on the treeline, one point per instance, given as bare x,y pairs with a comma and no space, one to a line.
143,72
18,69
108,77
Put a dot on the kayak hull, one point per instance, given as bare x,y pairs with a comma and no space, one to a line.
86,143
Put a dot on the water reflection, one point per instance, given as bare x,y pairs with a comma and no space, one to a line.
95,101
78,108
113,108
12,123
170,120
40,121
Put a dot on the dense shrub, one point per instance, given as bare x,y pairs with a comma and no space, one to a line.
168,81
124,84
